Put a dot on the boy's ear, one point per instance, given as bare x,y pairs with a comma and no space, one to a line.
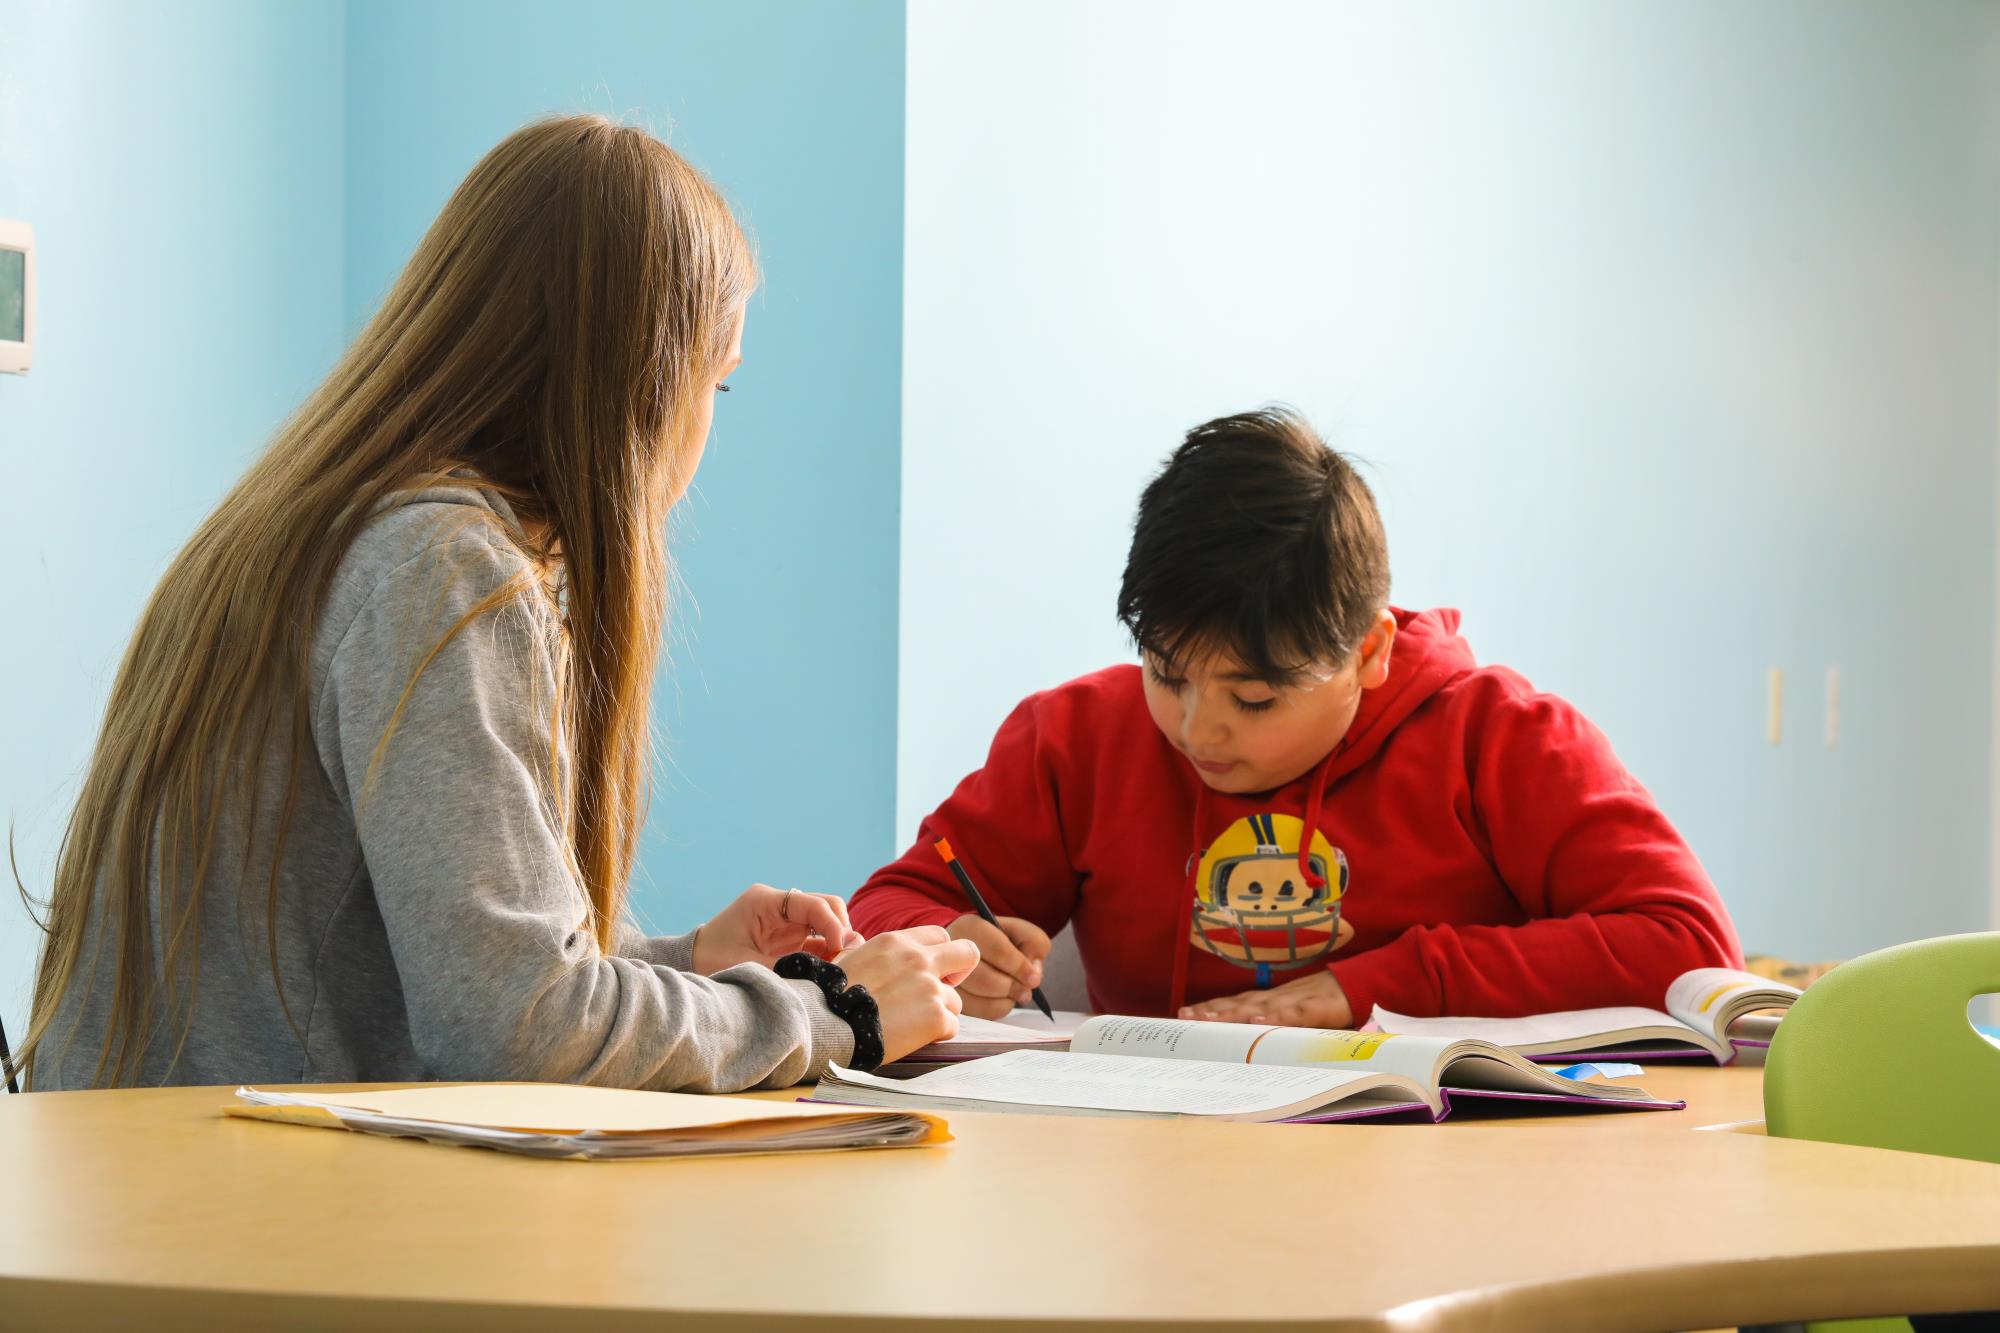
1375,651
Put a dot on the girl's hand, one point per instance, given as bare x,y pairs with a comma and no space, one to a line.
1010,963
1315,1001
765,924
913,975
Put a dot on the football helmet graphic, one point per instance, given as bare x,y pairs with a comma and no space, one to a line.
1252,906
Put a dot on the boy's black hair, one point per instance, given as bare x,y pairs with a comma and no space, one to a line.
1256,540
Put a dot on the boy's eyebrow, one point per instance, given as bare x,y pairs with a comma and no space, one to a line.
1166,668
1277,677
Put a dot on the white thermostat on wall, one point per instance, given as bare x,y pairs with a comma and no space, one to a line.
17,296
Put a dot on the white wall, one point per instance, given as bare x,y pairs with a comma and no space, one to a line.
1669,332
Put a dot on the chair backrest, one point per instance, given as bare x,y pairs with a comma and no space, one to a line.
1880,1053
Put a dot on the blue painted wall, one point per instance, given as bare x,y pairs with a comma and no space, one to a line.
181,166
778,704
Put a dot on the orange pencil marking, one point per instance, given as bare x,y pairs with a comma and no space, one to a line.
1250,1055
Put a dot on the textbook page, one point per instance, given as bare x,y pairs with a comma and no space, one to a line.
1578,1030
1139,1085
1429,1061
1722,1002
1414,1058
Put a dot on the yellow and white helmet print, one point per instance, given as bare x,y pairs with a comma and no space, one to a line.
1252,905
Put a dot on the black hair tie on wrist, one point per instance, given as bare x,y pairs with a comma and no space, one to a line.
853,1005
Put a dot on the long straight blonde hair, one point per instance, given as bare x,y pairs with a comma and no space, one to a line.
552,333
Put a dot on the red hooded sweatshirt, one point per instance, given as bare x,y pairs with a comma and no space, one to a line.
1486,847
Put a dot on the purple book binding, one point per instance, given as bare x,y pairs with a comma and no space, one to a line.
1420,1111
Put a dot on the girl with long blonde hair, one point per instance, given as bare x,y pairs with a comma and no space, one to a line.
369,783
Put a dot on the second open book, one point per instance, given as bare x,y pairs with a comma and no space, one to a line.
1714,1013
1231,1071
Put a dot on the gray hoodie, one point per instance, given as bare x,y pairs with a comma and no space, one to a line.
434,930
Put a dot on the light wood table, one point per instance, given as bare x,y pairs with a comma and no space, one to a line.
147,1209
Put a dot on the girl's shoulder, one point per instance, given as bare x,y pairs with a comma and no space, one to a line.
457,519
443,548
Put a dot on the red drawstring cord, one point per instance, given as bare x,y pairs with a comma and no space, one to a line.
1315,795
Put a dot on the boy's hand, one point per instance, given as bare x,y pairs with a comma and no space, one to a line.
1010,963
1315,1001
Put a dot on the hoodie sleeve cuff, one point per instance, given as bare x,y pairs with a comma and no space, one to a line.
1392,976
830,1040
931,914
675,951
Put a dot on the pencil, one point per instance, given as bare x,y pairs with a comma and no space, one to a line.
979,905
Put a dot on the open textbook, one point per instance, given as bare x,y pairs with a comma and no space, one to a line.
1710,1012
561,1120
1233,1071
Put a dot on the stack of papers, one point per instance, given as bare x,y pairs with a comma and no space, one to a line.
1022,1030
559,1120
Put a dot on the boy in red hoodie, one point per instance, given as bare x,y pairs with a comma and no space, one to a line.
1305,802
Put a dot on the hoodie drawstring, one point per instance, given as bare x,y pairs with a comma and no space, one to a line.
1315,797
1183,912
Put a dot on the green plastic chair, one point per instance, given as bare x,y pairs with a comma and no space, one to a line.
1880,1053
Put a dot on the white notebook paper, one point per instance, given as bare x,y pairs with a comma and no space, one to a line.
977,1038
